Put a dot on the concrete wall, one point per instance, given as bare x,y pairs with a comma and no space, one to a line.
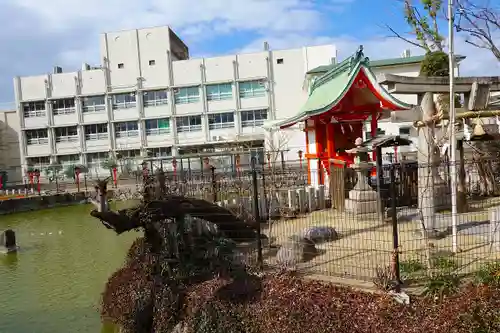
10,160
11,206
139,63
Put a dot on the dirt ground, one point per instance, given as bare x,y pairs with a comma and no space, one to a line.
366,243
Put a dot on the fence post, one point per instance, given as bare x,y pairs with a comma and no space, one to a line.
395,236
256,212
214,184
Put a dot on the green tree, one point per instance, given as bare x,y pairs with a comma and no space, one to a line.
52,171
109,164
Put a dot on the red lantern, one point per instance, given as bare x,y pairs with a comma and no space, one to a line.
237,160
174,166
115,180
145,170
30,176
37,175
77,178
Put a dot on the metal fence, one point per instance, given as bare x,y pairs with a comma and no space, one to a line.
382,222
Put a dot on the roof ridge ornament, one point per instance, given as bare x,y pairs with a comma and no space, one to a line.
358,57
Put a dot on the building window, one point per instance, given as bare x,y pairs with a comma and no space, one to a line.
253,118
68,159
63,106
37,137
96,132
187,95
157,126
38,162
127,129
252,89
160,152
124,101
279,61
152,62
219,92
404,130
154,97
132,153
66,134
368,134
221,120
121,65
34,109
93,104
189,124
95,160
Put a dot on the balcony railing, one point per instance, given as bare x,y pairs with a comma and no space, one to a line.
68,138
157,131
127,134
63,111
155,102
38,141
34,114
93,108
192,128
96,136
252,123
221,125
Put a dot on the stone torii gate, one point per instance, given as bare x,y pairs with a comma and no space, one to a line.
434,112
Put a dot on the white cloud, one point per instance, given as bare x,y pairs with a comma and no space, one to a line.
478,61
39,34
66,32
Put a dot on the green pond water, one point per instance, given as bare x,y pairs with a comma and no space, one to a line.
53,284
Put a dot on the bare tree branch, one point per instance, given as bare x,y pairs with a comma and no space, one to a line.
481,22
397,35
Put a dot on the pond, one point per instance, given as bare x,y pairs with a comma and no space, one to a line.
54,283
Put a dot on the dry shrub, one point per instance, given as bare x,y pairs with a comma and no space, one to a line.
287,304
284,303
127,297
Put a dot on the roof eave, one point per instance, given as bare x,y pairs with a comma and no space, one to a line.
320,70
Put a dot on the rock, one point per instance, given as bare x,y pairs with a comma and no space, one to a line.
8,241
319,234
295,250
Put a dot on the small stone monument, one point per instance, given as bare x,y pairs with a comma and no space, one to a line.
362,198
295,250
320,234
8,241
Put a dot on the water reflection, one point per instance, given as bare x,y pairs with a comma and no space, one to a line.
57,278
9,260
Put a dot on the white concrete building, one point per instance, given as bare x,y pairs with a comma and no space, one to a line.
10,161
148,96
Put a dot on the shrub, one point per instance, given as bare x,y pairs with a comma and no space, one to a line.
489,274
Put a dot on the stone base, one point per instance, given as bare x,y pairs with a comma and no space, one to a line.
361,207
7,250
363,195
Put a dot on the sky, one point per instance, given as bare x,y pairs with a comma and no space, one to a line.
39,34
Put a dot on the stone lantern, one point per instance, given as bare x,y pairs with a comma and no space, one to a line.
362,198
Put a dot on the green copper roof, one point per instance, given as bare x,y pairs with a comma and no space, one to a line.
381,63
330,88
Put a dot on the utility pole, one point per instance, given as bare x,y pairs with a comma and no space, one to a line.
453,140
